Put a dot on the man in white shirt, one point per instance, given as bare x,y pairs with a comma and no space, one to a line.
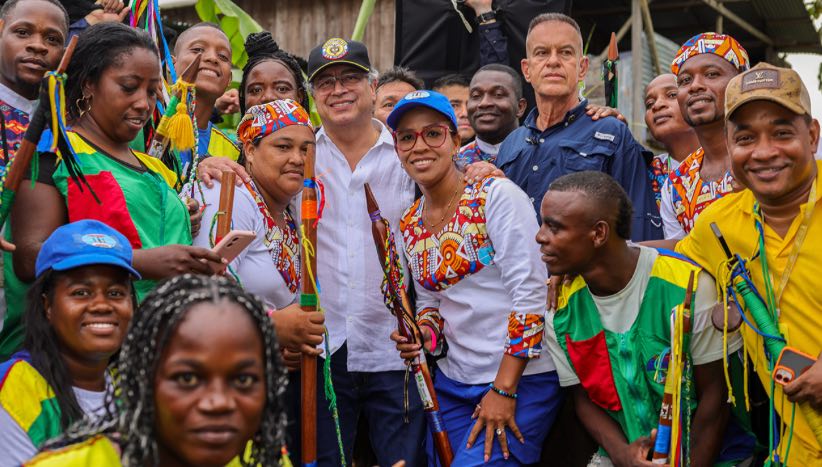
353,148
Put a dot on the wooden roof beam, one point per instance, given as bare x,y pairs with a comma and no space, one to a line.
739,21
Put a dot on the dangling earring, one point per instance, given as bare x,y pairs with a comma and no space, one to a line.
81,102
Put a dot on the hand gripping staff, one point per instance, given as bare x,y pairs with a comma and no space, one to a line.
50,111
742,287
396,299
175,126
669,435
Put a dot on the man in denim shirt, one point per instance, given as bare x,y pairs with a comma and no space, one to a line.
558,137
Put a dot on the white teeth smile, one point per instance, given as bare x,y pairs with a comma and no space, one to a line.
342,104
100,325
422,163
210,72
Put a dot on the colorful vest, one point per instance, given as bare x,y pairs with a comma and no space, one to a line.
142,205
471,153
29,400
97,450
617,370
690,194
15,122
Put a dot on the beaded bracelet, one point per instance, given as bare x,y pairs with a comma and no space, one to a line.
502,393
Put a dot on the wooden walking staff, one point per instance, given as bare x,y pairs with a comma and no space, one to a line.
673,381
308,303
407,325
175,125
226,207
19,165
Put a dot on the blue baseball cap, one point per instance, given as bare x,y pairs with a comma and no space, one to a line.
424,98
84,243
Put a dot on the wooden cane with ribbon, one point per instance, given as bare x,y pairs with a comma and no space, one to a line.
396,299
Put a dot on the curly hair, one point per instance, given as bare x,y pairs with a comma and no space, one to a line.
133,427
261,47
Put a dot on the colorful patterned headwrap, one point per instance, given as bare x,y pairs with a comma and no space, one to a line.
712,43
261,120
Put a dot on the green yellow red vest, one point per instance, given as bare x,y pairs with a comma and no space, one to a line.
617,370
29,400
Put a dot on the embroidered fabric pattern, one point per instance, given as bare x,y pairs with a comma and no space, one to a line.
15,122
283,246
438,261
431,316
690,194
471,153
658,172
524,335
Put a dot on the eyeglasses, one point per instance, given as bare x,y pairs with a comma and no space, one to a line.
347,80
433,135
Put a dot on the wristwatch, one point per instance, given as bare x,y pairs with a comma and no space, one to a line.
487,17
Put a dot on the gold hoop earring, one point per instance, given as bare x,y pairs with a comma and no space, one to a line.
81,102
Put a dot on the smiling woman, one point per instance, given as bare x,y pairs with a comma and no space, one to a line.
200,383
76,319
111,90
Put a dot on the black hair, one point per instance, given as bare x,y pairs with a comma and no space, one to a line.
605,193
515,77
202,24
7,8
400,73
131,417
100,47
454,79
261,47
42,343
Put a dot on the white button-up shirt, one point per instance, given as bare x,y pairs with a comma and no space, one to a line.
348,269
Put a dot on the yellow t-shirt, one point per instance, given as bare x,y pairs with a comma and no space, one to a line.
800,319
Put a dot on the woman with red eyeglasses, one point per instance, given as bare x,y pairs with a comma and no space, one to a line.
481,292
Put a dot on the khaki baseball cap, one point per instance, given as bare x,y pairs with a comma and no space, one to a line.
765,82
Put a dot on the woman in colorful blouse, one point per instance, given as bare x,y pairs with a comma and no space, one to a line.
481,291
76,319
275,138
111,91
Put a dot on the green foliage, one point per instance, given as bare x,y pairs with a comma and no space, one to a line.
236,23
815,11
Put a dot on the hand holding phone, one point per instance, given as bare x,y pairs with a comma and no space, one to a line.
232,245
790,365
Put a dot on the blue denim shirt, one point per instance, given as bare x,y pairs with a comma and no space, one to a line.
533,159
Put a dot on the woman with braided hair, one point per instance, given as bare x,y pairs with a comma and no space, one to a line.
199,382
270,73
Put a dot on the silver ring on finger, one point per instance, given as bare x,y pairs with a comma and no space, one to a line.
499,431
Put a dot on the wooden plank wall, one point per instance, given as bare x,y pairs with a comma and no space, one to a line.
300,25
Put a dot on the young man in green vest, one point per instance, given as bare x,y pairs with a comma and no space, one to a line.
611,331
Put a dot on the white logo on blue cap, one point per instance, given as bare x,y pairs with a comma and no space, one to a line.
417,95
99,240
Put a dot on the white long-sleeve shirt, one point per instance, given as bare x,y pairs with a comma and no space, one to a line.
348,268
475,307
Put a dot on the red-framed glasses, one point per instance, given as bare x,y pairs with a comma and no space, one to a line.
433,135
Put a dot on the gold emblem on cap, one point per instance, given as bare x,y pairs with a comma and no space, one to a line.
335,48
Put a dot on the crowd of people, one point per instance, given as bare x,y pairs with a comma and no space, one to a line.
552,261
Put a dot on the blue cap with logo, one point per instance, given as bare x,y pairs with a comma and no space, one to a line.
84,243
424,98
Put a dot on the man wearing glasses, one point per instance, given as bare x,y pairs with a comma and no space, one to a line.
353,148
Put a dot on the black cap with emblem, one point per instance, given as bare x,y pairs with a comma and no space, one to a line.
336,51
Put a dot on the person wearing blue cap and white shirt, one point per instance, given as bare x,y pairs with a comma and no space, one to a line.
481,290
354,148
76,318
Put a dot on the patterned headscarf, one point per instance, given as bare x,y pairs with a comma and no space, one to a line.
712,43
261,120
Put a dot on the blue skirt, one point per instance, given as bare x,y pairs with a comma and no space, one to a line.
538,401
